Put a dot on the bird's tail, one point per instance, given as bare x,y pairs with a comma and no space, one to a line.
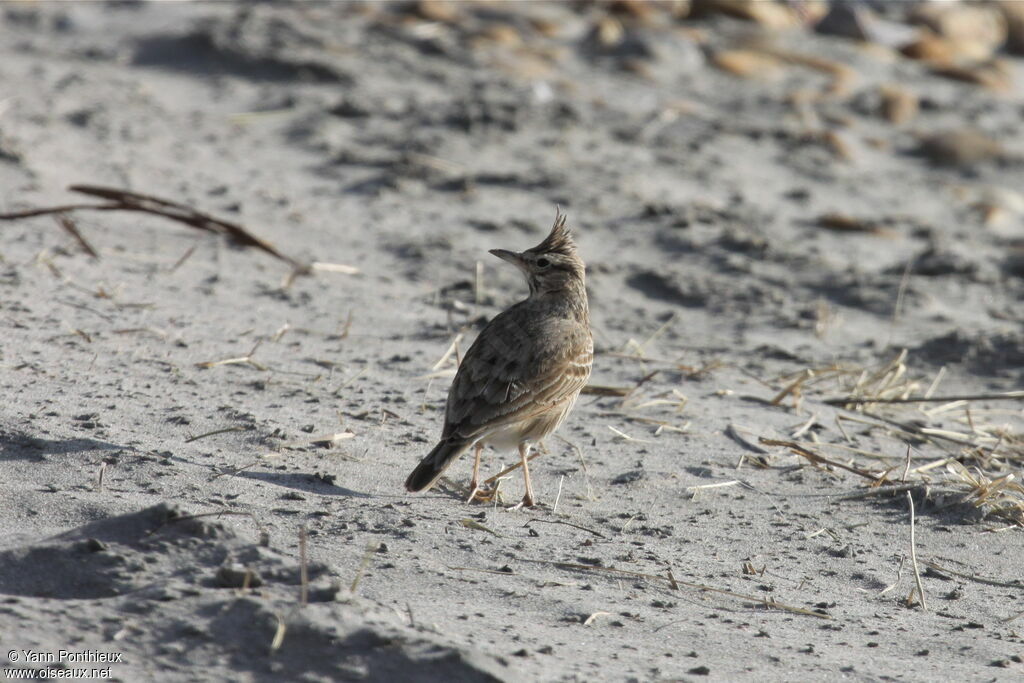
433,466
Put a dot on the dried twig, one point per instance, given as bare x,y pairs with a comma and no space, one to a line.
134,201
124,200
64,208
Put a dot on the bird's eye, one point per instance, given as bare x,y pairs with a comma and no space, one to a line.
543,262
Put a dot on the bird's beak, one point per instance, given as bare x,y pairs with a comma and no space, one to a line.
510,256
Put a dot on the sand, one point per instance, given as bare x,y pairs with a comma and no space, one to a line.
181,412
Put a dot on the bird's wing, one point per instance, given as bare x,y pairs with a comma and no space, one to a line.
514,371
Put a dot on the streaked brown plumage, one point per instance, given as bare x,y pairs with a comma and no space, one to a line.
521,376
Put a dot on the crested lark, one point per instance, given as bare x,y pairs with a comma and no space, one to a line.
521,376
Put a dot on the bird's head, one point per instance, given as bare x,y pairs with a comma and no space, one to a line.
551,266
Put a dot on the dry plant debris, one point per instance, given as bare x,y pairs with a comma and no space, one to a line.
972,456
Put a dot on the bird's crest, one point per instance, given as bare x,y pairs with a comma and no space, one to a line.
559,240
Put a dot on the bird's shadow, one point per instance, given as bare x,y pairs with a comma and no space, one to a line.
307,483
16,445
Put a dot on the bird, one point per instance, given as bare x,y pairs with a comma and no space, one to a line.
522,375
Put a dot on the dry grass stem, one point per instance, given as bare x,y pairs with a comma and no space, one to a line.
565,523
321,267
477,526
64,221
352,378
1005,396
899,577
240,360
793,387
745,437
558,496
238,470
225,430
599,390
367,557
657,333
303,567
817,458
901,291
347,328
935,382
1016,583
329,440
706,487
880,490
510,469
452,349
184,257
142,330
279,632
643,380
99,479
913,554
626,437
281,331
478,284
583,464
811,421
480,569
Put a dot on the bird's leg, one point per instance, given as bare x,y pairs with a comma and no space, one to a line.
528,499
474,483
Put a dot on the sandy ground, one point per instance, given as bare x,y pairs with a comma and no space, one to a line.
154,499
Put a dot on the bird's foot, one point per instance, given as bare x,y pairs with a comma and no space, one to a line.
485,494
526,502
